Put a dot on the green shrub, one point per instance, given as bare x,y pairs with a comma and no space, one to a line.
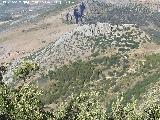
21,104
85,106
24,69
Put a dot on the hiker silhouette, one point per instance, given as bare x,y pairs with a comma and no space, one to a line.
76,15
67,16
82,8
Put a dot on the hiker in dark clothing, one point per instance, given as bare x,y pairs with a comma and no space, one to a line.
82,8
67,16
76,15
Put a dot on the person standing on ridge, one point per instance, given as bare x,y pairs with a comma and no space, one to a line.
67,15
76,15
82,8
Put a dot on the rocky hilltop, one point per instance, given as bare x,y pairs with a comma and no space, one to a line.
85,40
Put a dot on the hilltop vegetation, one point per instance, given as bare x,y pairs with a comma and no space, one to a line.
133,14
108,61
127,14
102,71
25,69
142,16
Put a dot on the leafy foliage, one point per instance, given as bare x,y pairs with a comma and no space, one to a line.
24,104
141,87
24,69
21,104
120,112
152,112
3,69
77,70
68,79
131,111
85,106
151,61
5,102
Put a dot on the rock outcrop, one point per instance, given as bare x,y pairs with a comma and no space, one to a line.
84,41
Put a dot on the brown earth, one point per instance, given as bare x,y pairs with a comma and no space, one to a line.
21,41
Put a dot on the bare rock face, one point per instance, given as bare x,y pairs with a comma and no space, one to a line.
94,29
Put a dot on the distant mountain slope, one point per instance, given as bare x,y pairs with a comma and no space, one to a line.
130,13
19,14
127,14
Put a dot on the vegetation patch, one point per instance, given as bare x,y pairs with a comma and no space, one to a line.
25,69
140,87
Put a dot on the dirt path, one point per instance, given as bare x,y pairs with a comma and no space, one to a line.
31,37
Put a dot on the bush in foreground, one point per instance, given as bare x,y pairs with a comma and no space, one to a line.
21,104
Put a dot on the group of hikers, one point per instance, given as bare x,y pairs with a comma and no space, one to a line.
78,13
